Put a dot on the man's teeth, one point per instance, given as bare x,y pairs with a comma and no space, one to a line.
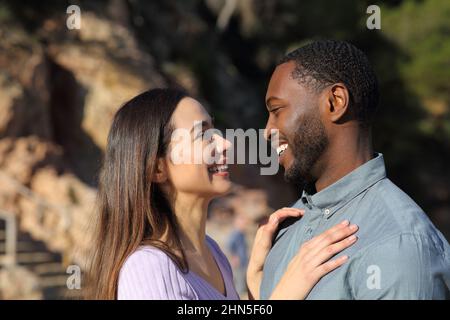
281,149
218,168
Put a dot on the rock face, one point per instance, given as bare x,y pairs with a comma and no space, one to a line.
20,159
57,100
24,106
105,69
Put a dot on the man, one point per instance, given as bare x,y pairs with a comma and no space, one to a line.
321,99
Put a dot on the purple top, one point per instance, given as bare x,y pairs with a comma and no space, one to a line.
149,273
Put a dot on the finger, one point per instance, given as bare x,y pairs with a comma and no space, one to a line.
284,213
261,247
265,234
279,216
333,229
337,235
327,253
329,266
332,235
274,221
327,238
263,241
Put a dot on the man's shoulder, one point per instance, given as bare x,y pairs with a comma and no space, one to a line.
391,216
392,197
391,206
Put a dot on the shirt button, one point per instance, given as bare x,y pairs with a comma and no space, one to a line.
327,211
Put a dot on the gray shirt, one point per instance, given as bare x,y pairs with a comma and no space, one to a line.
399,253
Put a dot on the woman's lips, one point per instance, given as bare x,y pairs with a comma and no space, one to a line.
219,170
221,174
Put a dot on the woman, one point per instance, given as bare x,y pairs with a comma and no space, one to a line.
151,241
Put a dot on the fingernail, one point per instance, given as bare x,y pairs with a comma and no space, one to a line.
353,227
351,238
345,223
344,257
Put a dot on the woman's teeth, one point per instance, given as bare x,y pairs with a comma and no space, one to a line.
281,149
218,168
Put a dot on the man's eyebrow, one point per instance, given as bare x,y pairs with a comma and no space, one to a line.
271,98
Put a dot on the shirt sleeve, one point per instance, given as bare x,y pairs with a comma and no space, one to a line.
150,274
403,267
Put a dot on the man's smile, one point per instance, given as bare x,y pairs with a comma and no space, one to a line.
281,149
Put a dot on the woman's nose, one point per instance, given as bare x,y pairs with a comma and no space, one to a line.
222,144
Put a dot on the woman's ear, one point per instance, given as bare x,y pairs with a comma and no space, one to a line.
338,99
160,174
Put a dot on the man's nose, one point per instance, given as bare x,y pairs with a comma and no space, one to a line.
268,130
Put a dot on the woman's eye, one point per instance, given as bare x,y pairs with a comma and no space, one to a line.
202,136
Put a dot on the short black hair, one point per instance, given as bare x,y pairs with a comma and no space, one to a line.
322,63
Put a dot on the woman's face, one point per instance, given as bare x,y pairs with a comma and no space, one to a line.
196,162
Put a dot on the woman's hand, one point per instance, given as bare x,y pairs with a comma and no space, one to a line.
262,245
313,261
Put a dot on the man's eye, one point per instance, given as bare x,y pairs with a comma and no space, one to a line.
275,109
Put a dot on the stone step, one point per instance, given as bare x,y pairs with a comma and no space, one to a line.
55,288
53,281
28,259
45,264
61,293
31,258
51,268
22,246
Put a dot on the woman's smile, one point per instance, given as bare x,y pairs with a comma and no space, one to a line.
219,170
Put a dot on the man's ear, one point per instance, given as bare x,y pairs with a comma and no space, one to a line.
338,102
160,174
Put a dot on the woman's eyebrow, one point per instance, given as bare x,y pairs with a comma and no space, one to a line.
199,125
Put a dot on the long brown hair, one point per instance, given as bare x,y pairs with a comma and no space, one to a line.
131,209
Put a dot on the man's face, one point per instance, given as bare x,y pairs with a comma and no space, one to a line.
294,111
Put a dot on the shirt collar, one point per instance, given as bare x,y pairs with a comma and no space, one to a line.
335,196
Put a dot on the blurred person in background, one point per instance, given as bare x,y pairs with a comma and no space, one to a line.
238,249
